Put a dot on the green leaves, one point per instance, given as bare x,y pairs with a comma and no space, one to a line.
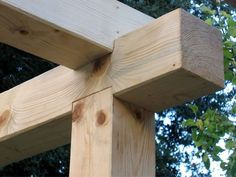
189,123
217,150
200,124
207,10
228,54
207,131
228,28
230,144
227,25
232,31
194,108
231,22
206,160
209,21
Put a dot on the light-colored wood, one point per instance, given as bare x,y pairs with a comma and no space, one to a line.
175,59
133,143
91,138
111,138
170,66
33,141
45,99
67,32
49,96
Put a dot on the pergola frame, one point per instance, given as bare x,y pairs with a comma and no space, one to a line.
120,66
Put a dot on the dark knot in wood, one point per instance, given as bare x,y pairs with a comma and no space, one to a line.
138,115
98,64
4,116
101,117
23,32
56,30
77,112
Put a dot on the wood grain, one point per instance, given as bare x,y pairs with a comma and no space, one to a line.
46,99
91,138
161,65
68,32
133,143
32,141
49,96
175,59
111,138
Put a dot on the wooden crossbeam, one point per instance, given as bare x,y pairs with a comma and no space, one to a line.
173,60
67,32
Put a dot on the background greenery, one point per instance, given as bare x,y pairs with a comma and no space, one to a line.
187,135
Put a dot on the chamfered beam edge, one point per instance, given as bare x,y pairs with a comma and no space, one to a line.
175,59
67,32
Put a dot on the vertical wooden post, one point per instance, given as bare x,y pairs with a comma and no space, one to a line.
111,138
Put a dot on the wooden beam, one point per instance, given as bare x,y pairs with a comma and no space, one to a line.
46,99
178,59
175,59
67,32
34,140
111,138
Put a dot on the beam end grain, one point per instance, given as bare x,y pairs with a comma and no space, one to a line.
202,49
67,32
175,59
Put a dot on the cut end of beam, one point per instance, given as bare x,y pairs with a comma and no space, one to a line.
175,59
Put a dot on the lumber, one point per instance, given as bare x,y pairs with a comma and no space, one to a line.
175,59
35,140
111,138
179,59
67,32
46,99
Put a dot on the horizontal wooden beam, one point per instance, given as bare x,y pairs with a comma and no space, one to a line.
67,32
175,59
